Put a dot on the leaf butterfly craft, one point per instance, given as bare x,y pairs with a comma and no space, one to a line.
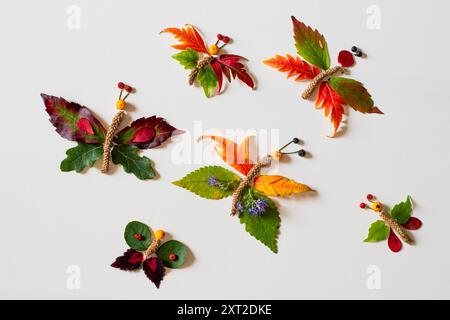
250,192
334,92
77,123
152,256
207,65
397,221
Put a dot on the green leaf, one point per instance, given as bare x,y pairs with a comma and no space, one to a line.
136,227
402,211
378,231
169,247
82,156
208,80
132,162
212,182
264,227
353,93
187,58
311,45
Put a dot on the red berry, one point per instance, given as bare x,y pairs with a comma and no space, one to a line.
226,39
219,36
346,59
362,205
121,85
173,257
369,197
137,236
128,88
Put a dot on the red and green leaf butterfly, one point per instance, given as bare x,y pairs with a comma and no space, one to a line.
206,64
77,123
334,92
398,220
250,192
152,256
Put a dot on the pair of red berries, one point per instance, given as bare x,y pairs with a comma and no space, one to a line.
123,86
369,197
224,39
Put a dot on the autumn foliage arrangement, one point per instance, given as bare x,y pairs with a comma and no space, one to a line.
334,92
397,221
208,65
150,255
77,123
250,191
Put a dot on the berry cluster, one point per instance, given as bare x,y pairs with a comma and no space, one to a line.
120,104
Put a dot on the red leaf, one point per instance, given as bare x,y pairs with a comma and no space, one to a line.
412,224
394,242
232,67
188,37
302,70
218,71
346,59
67,117
146,133
131,260
85,126
332,104
154,270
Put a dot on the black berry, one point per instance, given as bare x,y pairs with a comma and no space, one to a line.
358,53
354,49
302,153
296,140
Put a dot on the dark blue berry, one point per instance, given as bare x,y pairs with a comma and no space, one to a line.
358,53
296,140
302,153
354,49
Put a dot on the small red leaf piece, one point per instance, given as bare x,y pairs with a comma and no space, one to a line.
65,117
346,59
376,110
131,260
154,270
147,133
232,67
412,224
85,126
394,242
218,71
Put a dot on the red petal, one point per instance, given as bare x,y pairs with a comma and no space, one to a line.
412,224
85,126
144,134
346,59
394,242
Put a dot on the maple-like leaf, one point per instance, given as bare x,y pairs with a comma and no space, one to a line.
332,103
188,37
154,270
278,186
232,68
187,58
130,260
147,133
311,45
236,157
354,94
295,67
73,121
378,231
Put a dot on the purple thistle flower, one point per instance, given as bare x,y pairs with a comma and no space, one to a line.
258,208
212,181
239,207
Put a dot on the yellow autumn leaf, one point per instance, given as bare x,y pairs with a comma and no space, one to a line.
278,186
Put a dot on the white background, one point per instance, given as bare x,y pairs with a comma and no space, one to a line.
51,220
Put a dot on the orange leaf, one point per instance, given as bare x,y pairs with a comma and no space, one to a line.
332,104
188,37
278,186
237,157
294,66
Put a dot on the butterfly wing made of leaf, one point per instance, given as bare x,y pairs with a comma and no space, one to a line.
73,121
378,231
311,45
82,156
188,37
147,133
332,103
232,67
154,270
394,242
236,157
295,67
130,260
216,67
402,211
278,186
128,156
